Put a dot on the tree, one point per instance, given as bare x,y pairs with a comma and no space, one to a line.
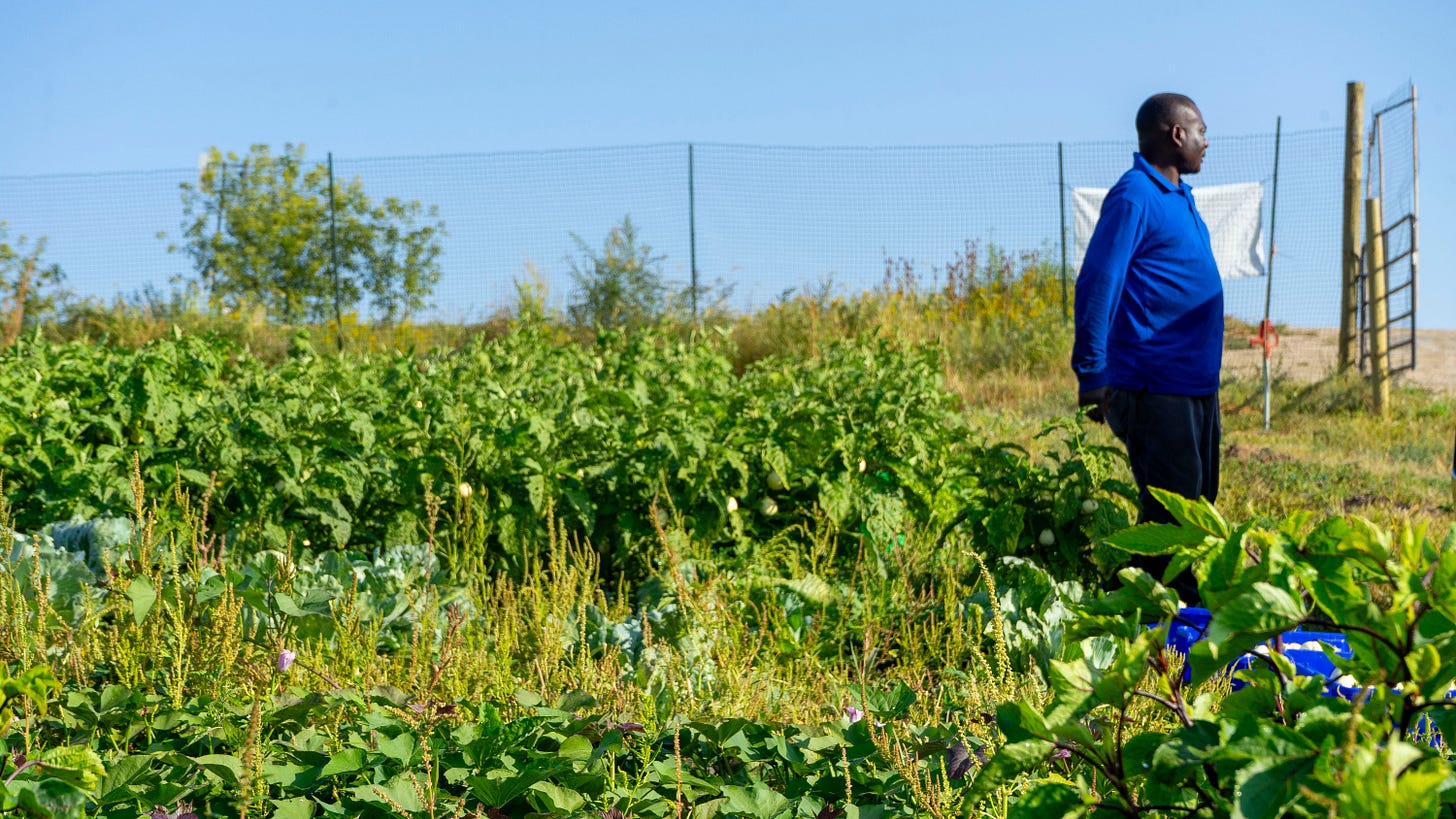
259,231
29,287
620,286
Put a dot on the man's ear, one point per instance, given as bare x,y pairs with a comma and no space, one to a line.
1177,134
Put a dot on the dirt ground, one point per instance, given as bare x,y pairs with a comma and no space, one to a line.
1310,355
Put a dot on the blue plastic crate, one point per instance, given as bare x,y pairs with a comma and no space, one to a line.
1191,625
1300,646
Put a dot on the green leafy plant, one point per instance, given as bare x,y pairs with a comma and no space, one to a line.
58,781
354,451
1126,735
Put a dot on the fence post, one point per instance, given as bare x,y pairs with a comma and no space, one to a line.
1375,297
1267,326
334,260
1062,206
1415,246
692,234
1350,249
209,276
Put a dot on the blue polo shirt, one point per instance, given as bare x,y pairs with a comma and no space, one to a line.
1149,306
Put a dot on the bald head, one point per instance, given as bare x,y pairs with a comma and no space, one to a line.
1161,112
1171,133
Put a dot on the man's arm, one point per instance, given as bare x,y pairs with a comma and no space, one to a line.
1099,289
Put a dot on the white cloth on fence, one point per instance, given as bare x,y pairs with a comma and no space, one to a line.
1233,213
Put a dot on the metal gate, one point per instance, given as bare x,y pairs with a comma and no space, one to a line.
1390,252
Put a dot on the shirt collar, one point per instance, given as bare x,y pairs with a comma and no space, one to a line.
1162,181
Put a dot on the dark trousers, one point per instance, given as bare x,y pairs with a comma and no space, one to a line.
1172,443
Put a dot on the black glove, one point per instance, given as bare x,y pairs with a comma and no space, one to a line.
1096,403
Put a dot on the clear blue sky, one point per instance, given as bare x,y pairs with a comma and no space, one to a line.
132,86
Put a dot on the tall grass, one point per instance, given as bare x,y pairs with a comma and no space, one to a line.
138,320
995,317
786,637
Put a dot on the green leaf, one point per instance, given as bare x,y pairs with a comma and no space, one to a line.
1047,800
47,797
1180,753
1267,788
1250,619
76,765
1424,663
1155,538
36,685
1223,568
783,748
401,748
498,787
812,587
1115,685
1138,752
297,808
1020,721
1072,692
402,790
1263,611
346,761
1011,761
288,605
1336,591
120,772
1196,513
759,801
225,767
885,704
711,809
290,775
142,597
556,800
1140,594
114,696
574,700
575,748
1443,582
210,588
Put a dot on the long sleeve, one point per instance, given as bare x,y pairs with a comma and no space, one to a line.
1120,228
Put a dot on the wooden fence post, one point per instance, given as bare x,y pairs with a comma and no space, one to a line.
1350,258
1375,293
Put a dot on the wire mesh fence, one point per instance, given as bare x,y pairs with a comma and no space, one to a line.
765,220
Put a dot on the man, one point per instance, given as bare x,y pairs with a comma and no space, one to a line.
1149,318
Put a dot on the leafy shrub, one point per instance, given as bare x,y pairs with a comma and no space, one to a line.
1122,711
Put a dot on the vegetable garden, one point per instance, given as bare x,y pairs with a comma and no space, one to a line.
639,576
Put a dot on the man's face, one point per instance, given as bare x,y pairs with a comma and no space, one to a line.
1190,138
